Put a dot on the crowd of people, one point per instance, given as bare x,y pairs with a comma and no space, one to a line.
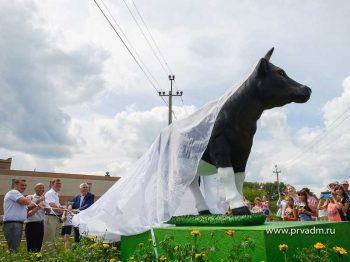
333,205
41,214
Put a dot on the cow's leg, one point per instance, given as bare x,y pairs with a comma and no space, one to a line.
239,179
233,196
222,155
198,197
227,178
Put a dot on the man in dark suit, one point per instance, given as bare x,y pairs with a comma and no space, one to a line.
80,202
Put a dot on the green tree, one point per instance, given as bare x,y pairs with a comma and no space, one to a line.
271,189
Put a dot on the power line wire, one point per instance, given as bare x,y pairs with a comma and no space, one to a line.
126,46
149,43
154,42
318,139
157,47
144,35
323,145
130,44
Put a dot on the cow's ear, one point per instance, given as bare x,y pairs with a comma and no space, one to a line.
262,67
269,54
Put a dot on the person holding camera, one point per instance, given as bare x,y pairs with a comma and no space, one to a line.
343,203
331,205
290,212
305,211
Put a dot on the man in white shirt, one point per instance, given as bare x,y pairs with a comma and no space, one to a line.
35,222
15,212
53,211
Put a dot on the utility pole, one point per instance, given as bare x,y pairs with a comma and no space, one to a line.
278,181
170,95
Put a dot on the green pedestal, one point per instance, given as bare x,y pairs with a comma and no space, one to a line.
267,238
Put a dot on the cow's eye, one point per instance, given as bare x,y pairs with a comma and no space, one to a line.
282,73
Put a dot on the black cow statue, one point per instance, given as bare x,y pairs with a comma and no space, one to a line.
232,136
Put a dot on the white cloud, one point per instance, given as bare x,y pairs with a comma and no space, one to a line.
114,144
37,80
339,106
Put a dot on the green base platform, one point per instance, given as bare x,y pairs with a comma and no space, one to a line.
267,238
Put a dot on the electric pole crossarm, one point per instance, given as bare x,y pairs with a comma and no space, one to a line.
170,95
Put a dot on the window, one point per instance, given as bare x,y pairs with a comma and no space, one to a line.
90,186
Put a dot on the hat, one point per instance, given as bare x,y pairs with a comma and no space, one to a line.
332,183
344,182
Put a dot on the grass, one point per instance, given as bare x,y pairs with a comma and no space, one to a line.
87,250
23,246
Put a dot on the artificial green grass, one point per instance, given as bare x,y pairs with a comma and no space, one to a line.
217,220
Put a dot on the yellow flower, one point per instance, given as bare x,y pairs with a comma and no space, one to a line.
177,248
38,255
150,240
132,259
112,260
319,246
94,245
341,251
162,258
199,256
114,248
283,247
195,233
141,245
93,237
230,233
105,246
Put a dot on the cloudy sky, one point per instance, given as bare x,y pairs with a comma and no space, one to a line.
72,99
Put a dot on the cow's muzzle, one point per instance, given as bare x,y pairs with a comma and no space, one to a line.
303,94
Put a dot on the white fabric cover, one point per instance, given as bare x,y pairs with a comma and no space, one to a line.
150,193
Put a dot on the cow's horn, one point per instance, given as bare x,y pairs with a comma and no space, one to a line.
269,54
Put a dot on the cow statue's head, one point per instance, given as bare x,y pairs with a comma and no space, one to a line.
274,86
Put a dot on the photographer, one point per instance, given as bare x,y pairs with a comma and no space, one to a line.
331,205
343,202
305,211
290,212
